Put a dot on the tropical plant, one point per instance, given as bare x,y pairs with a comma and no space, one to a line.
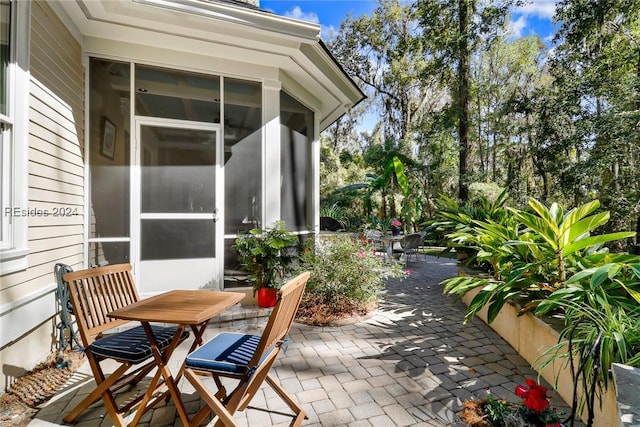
393,174
453,217
602,322
346,277
375,223
334,211
268,255
565,236
607,279
533,257
550,260
457,222
593,339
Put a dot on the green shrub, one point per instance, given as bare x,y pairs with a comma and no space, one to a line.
268,255
485,191
346,278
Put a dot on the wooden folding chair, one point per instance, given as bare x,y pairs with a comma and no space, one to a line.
94,293
246,358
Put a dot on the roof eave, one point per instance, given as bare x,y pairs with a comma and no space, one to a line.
254,18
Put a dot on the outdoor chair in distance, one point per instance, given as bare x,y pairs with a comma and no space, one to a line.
94,292
375,238
330,224
421,247
409,246
247,359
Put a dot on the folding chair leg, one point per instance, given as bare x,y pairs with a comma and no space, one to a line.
102,390
144,403
112,409
225,418
250,389
300,414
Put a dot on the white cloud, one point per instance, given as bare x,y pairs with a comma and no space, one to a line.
326,32
297,13
515,27
539,8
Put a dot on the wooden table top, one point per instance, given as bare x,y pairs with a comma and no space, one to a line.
184,307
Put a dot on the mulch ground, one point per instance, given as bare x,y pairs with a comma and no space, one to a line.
313,311
19,403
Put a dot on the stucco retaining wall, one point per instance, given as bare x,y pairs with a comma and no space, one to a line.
531,337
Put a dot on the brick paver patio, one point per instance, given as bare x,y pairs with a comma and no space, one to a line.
411,363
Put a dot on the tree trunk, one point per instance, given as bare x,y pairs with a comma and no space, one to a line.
463,98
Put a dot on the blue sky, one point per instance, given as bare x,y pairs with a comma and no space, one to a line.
534,17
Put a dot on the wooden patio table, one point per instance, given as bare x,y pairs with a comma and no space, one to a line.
185,308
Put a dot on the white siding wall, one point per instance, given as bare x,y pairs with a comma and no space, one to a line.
56,169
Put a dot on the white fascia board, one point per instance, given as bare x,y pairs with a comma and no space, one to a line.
315,92
324,76
254,18
258,53
331,71
126,20
300,91
183,17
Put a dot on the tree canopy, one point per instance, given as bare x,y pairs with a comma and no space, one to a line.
460,100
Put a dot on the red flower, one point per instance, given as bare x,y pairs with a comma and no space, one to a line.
535,397
522,391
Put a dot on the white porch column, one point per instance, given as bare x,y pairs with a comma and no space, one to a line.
271,175
315,175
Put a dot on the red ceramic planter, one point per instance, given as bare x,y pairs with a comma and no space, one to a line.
267,297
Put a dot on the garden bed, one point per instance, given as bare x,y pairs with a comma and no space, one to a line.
530,337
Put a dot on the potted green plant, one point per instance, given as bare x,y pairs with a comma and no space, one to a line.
267,255
395,226
381,224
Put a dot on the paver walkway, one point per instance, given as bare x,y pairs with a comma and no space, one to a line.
412,363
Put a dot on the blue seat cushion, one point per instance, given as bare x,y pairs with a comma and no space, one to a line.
227,352
133,345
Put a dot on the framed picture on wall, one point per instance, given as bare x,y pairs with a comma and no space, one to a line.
108,143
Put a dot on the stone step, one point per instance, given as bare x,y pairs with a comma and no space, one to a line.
242,312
